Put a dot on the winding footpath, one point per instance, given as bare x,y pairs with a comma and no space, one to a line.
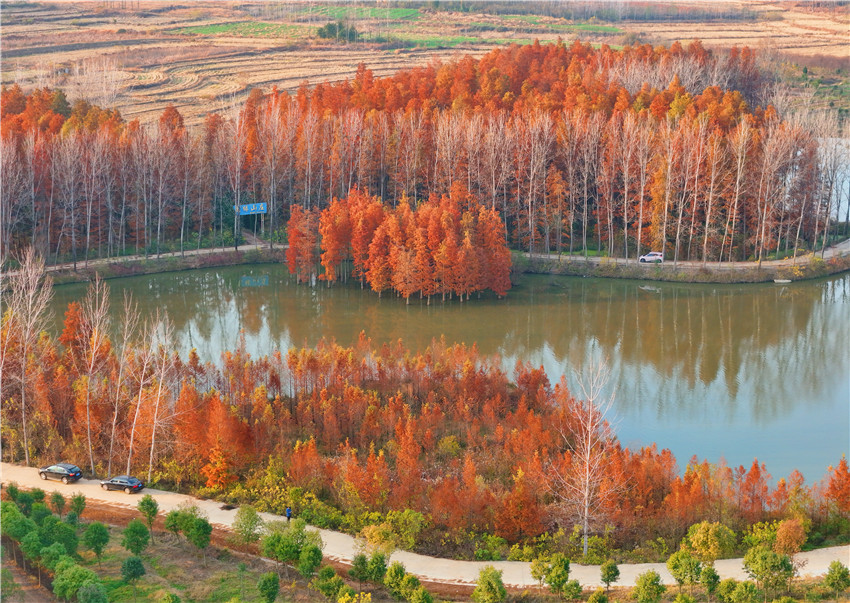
342,547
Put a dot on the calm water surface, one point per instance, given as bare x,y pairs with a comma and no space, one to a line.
718,371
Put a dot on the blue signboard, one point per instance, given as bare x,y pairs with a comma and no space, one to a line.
254,281
248,209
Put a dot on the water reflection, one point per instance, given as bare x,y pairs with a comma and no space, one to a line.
734,371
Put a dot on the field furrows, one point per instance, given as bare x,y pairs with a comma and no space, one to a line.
201,86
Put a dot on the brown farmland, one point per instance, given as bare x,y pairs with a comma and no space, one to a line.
204,57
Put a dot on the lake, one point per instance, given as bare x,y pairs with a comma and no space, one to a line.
717,371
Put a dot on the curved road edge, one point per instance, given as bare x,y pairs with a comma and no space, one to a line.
342,547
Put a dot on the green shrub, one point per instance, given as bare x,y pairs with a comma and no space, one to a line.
394,576
648,588
489,588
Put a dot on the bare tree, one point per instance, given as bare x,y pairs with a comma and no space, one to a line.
271,131
448,142
94,335
30,293
739,143
129,325
580,485
144,357
496,144
11,193
162,365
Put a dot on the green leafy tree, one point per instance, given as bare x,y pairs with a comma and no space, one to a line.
68,582
149,508
710,580
92,592
762,533
489,588
54,530
309,559
25,501
683,598
406,526
610,573
377,567
131,570
420,595
684,568
31,546
409,584
96,537
12,491
359,569
247,524
837,577
328,583
269,586
745,592
78,504
558,573
598,596
172,522
57,503
648,588
135,537
725,589
39,513
572,590
395,574
284,541
199,534
710,541
52,554
539,569
770,569
37,495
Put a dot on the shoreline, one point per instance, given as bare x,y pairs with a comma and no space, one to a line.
807,267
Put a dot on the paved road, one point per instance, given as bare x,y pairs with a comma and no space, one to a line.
841,249
342,547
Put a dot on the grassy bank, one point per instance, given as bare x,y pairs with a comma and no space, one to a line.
806,268
174,263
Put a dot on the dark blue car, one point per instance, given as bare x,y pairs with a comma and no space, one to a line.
122,482
61,471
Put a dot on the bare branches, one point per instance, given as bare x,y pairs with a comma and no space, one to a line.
30,293
582,485
94,346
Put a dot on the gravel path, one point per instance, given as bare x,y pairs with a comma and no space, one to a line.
342,547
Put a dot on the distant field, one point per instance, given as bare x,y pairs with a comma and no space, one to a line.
339,13
249,29
204,56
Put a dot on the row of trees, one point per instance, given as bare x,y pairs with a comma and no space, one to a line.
617,149
452,245
348,435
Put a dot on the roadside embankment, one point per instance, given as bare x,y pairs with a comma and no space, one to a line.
808,267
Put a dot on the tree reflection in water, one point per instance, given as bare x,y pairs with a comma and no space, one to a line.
730,370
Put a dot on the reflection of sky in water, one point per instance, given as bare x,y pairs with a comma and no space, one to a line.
729,371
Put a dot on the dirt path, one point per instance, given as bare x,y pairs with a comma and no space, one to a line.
342,547
29,590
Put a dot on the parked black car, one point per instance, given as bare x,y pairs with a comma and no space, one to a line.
122,482
62,471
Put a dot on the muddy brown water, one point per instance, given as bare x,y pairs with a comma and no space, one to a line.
724,372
